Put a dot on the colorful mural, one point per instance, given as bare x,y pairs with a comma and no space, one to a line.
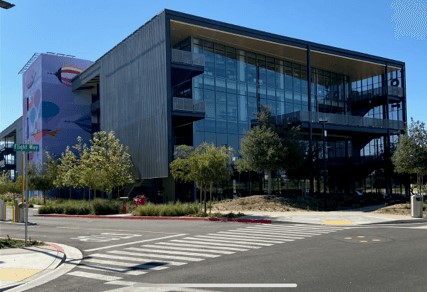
53,115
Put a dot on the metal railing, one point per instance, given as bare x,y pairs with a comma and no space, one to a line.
188,105
345,120
188,58
376,93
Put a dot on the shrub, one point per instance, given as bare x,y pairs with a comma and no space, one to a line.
77,208
106,207
171,209
51,209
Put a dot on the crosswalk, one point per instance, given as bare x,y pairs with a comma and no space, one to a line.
112,266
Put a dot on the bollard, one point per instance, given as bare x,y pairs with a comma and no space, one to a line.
21,212
124,199
2,211
15,211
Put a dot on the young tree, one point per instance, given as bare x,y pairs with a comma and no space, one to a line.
410,156
206,165
268,148
107,164
103,166
70,169
42,177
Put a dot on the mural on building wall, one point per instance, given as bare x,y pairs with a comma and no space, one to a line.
53,115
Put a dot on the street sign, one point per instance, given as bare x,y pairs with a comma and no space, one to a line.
26,147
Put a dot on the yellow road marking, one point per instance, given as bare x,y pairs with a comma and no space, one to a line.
363,241
361,236
376,240
337,222
16,274
349,238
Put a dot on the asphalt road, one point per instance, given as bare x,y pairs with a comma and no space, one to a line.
126,255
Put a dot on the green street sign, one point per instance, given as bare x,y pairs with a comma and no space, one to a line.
26,147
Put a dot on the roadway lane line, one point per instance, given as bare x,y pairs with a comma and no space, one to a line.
132,243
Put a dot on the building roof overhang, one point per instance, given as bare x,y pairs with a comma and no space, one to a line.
354,64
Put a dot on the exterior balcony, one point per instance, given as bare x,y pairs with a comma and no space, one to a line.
365,100
343,123
185,65
187,110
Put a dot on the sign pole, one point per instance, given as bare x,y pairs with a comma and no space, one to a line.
23,177
25,148
26,201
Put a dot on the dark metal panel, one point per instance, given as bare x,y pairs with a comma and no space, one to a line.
133,97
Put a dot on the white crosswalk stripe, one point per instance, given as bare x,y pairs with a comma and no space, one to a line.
95,267
211,243
173,252
188,249
135,256
156,256
226,239
202,246
246,234
95,276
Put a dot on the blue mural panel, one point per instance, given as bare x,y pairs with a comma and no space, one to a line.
53,115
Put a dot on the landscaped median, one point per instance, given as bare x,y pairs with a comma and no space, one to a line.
101,208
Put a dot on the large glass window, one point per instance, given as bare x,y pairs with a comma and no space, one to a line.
236,82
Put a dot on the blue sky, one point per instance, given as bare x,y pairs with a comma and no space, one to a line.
395,29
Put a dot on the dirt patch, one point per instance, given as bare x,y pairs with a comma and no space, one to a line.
263,203
399,209
279,204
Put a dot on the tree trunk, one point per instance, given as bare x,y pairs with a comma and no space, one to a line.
201,195
269,182
210,198
204,201
44,197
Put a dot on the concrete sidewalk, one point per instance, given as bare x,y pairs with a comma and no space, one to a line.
24,268
359,217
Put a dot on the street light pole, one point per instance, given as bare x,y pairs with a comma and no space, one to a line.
325,165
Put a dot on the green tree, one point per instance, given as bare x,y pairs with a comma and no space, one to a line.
410,156
268,148
9,186
107,164
42,177
206,165
70,167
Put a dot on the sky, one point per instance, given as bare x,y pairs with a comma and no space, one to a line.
87,29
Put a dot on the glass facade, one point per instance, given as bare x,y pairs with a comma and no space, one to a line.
236,83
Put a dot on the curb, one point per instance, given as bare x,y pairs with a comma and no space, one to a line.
238,220
58,261
70,258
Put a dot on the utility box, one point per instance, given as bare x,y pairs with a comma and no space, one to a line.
2,211
417,206
21,212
